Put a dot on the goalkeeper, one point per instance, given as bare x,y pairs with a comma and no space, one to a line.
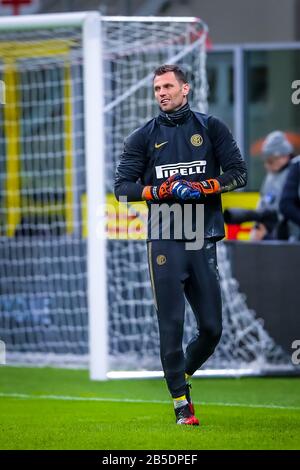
177,157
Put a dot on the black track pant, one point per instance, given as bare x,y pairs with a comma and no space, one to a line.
177,273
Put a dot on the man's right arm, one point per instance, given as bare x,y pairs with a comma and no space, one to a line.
131,168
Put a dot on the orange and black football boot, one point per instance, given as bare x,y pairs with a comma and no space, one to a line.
184,416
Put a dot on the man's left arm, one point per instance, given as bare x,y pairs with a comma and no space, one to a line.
228,155
229,159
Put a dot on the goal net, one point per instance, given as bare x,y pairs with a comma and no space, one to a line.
44,308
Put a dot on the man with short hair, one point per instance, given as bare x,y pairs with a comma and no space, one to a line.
176,157
277,152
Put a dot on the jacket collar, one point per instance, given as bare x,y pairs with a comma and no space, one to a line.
177,117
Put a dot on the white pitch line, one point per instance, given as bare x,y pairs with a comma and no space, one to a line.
131,400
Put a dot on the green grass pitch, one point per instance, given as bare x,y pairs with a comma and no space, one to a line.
62,409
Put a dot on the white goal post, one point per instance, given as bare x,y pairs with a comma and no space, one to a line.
74,281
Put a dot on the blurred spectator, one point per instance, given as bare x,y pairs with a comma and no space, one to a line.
290,199
277,152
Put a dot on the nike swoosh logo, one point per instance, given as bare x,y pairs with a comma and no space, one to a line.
157,146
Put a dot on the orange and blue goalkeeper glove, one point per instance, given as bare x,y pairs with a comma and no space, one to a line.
177,188
183,190
161,192
210,186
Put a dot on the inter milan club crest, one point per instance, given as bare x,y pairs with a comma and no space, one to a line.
161,259
197,140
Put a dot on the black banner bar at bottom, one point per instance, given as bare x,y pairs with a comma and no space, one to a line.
138,458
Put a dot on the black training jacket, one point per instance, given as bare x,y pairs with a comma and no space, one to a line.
197,146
